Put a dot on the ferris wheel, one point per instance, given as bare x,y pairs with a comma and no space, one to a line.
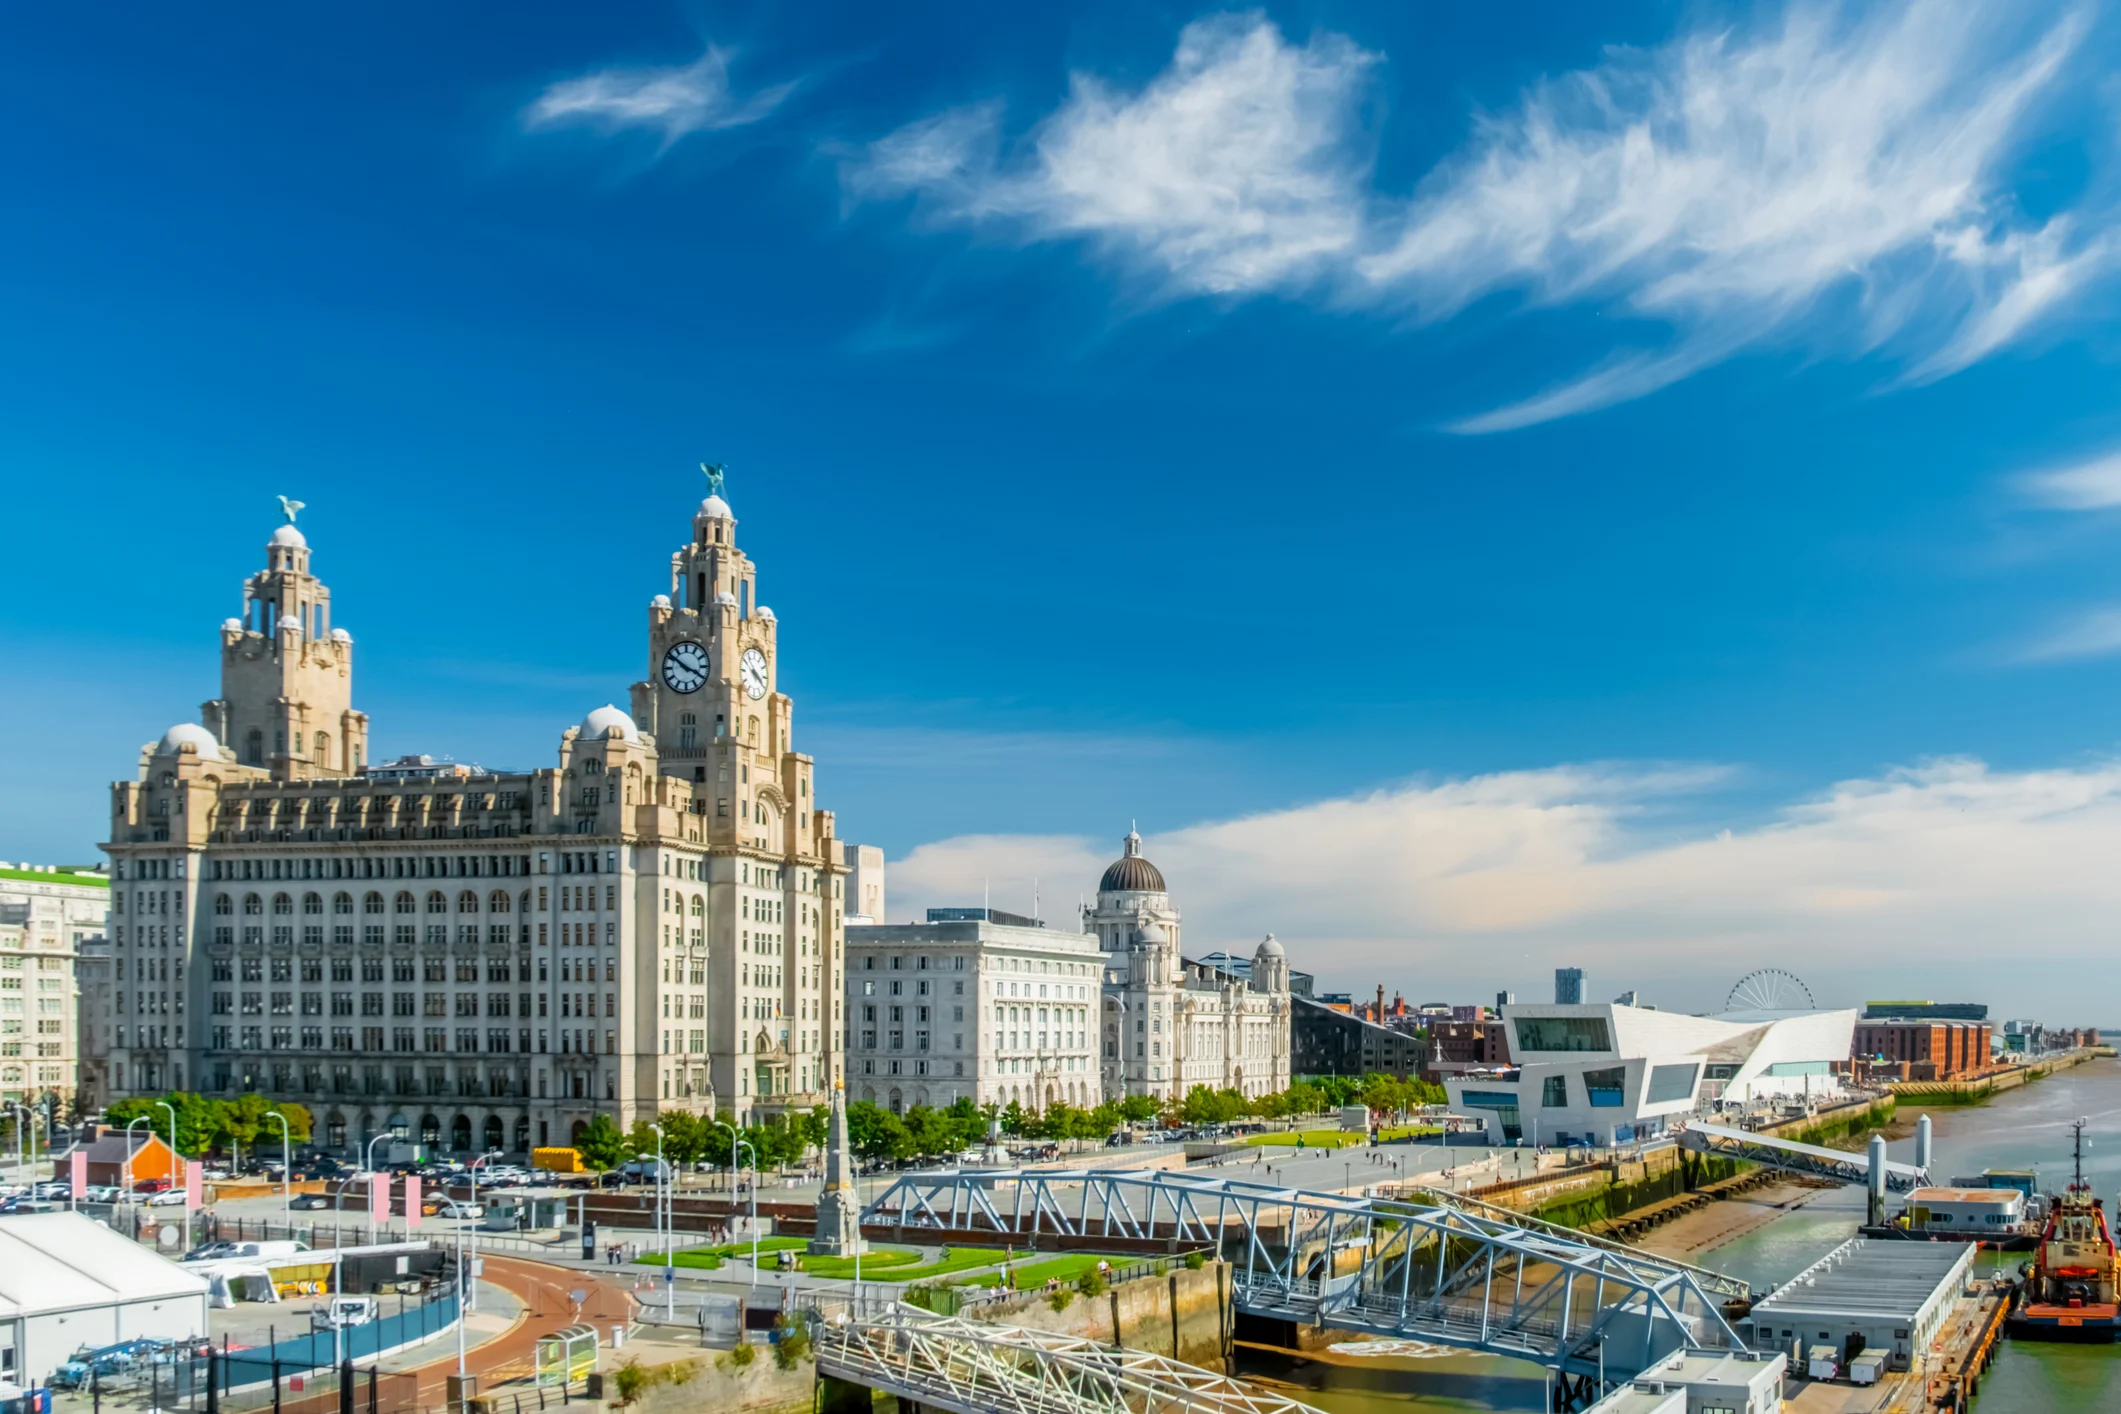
1770,989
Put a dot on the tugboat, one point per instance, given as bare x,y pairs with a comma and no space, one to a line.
2069,1291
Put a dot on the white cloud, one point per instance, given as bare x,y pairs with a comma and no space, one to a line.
1943,878
673,101
2089,486
2093,633
1840,182
1231,172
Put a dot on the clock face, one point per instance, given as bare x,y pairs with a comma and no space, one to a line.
685,667
754,665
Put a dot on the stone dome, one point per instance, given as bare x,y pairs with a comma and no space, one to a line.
290,621
1131,873
762,612
340,635
661,601
288,536
606,722
715,508
1269,948
189,736
231,625
1151,934
723,596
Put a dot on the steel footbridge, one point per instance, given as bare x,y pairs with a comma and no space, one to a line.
971,1367
1794,1157
1423,1265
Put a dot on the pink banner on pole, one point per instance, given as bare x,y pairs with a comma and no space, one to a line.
77,1172
412,1202
194,1184
379,1198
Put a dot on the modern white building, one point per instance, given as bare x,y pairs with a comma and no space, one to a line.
1612,1074
66,1282
971,1008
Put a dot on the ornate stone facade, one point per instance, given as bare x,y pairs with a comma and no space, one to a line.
488,958
1170,1023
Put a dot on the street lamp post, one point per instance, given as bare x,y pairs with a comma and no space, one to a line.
754,1219
487,1157
662,1218
125,1170
287,1172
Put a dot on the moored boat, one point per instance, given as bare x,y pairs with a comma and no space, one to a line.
2070,1288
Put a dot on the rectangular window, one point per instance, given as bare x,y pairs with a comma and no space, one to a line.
1607,1088
1669,1083
1554,1092
1563,1033
1504,1105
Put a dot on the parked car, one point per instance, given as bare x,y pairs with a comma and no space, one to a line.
101,1193
168,1198
307,1201
454,1208
210,1251
151,1185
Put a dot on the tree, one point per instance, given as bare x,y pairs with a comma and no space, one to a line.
684,1136
930,1132
601,1145
875,1132
1138,1109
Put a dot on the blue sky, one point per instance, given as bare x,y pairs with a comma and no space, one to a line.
1438,468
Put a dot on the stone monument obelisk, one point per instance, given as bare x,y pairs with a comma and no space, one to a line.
839,1207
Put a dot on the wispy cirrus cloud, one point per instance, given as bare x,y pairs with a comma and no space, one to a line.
673,100
1238,169
1833,180
2089,633
2093,485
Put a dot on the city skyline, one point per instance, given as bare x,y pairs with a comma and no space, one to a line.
1667,607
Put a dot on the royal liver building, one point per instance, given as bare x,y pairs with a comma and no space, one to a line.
487,959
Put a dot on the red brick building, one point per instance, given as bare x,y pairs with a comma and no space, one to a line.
1456,1046
1924,1050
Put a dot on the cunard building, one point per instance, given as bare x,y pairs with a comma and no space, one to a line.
483,959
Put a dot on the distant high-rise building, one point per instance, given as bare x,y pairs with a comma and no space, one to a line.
1626,998
1568,986
1503,999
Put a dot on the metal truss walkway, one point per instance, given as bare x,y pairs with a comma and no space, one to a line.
1819,1162
974,1368
1424,1266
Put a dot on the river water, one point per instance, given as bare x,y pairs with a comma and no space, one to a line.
2026,1128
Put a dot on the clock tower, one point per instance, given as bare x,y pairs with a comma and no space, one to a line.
747,821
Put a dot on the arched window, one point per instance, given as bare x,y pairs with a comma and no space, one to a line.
405,903
342,903
460,1132
224,904
430,1130
282,904
323,748
467,902
373,903
688,729
437,901
251,904
254,748
525,902
498,903
699,906
522,1134
592,767
494,1132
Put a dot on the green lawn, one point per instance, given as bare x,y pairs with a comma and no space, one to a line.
1032,1275
960,1259
708,1259
1335,1138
